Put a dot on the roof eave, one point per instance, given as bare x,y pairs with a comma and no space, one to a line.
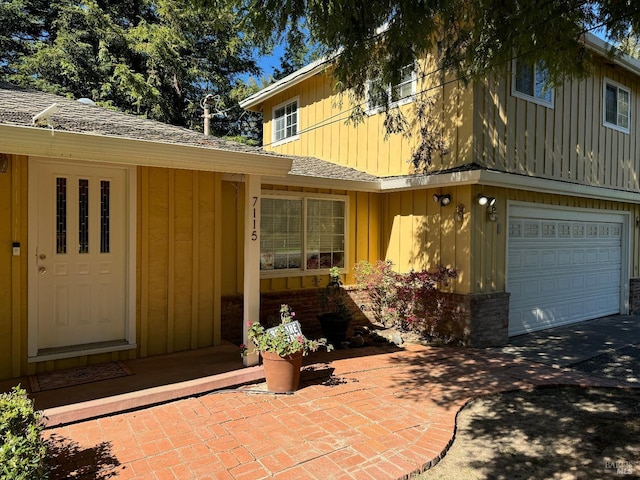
32,141
322,182
254,101
602,47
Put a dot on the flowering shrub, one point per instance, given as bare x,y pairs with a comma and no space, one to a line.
407,301
282,339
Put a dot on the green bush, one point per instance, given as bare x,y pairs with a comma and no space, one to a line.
22,449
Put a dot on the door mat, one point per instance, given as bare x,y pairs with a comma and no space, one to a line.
77,376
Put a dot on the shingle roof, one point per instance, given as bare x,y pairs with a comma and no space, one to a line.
19,105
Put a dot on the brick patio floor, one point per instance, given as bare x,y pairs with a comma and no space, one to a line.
380,415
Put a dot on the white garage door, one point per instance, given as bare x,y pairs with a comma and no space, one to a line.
562,267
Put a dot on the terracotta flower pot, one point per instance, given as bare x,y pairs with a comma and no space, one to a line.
282,373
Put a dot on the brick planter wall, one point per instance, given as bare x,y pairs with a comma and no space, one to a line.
478,320
634,296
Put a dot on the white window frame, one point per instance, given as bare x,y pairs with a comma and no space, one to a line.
389,90
284,105
303,270
525,96
608,82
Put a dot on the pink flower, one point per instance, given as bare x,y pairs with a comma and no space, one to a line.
242,346
249,323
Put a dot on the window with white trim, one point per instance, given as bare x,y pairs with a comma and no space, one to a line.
302,233
530,82
617,101
378,93
285,121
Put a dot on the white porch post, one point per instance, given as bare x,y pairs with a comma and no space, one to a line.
252,186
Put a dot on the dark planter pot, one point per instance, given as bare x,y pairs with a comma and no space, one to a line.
334,328
282,373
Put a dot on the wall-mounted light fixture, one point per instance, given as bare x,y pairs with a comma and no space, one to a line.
490,203
637,221
459,215
443,200
4,163
485,201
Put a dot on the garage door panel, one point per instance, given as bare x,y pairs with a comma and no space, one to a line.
548,287
592,256
591,281
548,259
515,259
604,255
562,271
531,259
564,257
577,282
563,285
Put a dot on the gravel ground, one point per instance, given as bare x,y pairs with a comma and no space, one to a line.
552,433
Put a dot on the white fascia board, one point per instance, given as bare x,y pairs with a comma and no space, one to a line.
40,142
602,47
253,101
419,182
507,180
555,187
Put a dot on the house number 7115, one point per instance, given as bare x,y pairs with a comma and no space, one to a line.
254,233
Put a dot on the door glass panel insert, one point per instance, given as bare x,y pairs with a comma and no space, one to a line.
61,215
83,216
104,216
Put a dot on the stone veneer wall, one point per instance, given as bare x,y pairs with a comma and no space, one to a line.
634,296
478,320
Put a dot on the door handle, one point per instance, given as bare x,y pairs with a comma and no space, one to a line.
42,270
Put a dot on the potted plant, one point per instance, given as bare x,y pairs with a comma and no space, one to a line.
282,348
336,316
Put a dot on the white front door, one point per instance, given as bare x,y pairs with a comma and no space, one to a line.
81,255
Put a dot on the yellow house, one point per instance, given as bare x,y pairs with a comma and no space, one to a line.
536,202
122,237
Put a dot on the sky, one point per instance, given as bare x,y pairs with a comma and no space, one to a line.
268,62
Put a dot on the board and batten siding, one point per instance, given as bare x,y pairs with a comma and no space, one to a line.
13,269
324,133
179,260
417,233
567,142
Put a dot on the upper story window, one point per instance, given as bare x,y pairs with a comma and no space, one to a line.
617,100
302,233
285,121
378,93
531,83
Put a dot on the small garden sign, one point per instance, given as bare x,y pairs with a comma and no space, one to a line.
292,329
